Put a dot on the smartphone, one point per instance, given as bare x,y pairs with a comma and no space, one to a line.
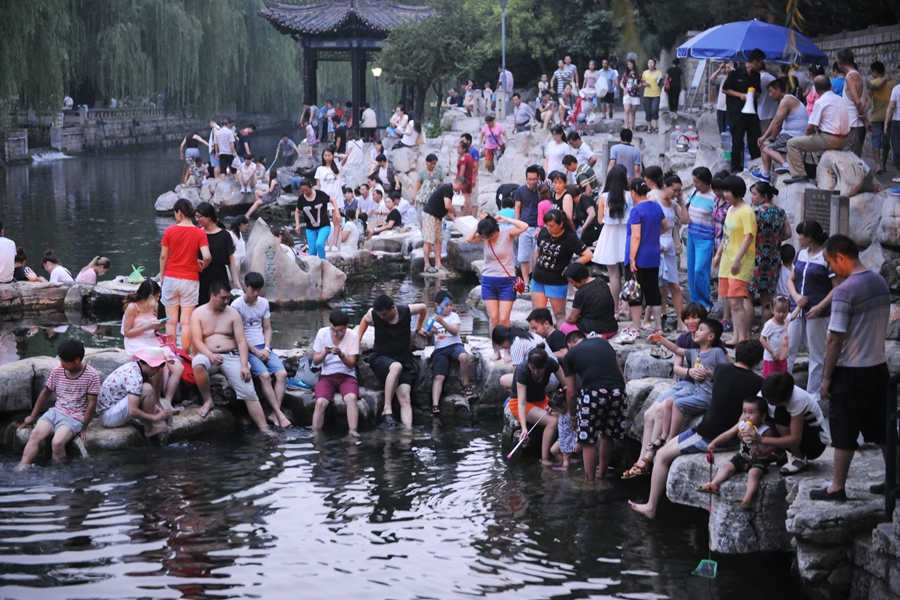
164,319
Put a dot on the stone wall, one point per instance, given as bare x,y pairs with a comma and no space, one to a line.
868,45
14,146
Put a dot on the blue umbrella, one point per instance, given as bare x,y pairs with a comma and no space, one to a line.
734,41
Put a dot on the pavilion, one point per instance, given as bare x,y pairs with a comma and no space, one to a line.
340,30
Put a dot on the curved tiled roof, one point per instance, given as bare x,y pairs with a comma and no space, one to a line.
340,16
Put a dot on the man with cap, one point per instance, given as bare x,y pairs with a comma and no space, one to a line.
129,394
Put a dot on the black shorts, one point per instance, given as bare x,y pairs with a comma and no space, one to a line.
858,405
381,366
601,412
811,445
225,161
744,464
649,282
442,357
609,98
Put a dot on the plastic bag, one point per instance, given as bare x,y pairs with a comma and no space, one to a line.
631,291
137,275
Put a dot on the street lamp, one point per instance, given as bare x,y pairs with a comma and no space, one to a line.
503,4
376,73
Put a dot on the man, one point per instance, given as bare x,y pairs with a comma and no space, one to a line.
264,363
767,106
336,348
243,140
827,129
527,199
546,110
608,102
522,114
220,346
246,174
211,145
583,152
127,393
626,155
340,135
368,122
366,202
735,88
454,100
505,83
225,150
856,374
540,321
892,129
856,101
599,411
790,121
391,357
588,187
438,206
287,149
573,70
732,385
561,76
7,257
880,89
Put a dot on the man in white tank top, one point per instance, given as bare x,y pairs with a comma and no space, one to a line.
790,120
856,100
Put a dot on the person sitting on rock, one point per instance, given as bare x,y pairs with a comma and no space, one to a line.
246,174
220,346
448,348
391,358
518,343
733,384
392,220
264,363
528,401
268,197
790,121
336,348
128,393
540,321
752,455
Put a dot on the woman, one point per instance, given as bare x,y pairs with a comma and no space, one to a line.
57,272
493,137
221,252
566,103
355,152
647,223
98,267
268,197
180,270
327,180
498,272
465,167
719,213
22,272
666,192
314,205
238,228
410,134
376,151
557,148
285,241
561,198
518,343
674,84
469,96
614,208
698,216
528,401
811,288
350,232
428,180
139,328
630,83
772,228
398,122
557,243
650,81
593,309
590,77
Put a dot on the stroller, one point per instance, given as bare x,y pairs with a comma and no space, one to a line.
578,119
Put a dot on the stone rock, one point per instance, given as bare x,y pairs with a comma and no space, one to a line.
888,233
166,202
708,126
846,172
21,382
405,159
228,195
892,355
893,328
209,190
641,365
353,264
637,391
354,174
28,296
192,194
288,282
865,216
106,360
285,174
461,255
669,120
408,183
390,241
448,121
660,387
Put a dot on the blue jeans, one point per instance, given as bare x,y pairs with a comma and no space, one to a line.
316,238
699,263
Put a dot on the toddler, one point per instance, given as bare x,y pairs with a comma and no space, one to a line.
567,443
774,338
788,253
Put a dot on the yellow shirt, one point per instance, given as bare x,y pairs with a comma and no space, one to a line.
880,99
738,223
653,83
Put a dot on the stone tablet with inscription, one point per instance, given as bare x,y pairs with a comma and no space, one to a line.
831,210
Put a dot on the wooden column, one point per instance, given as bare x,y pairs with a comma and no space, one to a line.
363,69
310,88
357,82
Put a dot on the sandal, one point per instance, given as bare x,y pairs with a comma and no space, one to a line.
641,467
657,443
435,411
708,488
746,505
469,390
791,469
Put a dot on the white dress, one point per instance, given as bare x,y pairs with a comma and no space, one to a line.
555,154
611,243
330,183
668,263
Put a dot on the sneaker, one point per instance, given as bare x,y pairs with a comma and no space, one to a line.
782,169
895,192
295,384
760,175
878,488
800,179
896,180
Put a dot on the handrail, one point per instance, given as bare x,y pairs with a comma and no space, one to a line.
891,487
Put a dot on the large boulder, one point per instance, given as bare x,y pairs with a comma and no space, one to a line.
166,202
888,233
191,194
448,121
865,216
22,381
845,172
641,365
390,241
228,194
461,255
405,159
289,282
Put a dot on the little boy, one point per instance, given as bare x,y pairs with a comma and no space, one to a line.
448,347
77,386
264,363
788,253
774,338
567,443
751,456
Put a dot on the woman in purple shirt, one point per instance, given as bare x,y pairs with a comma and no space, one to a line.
646,223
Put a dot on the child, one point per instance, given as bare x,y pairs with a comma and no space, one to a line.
690,396
507,210
543,84
750,457
264,363
567,443
311,139
720,211
448,347
774,338
788,252
544,205
77,386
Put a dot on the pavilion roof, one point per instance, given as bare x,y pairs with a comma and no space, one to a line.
336,17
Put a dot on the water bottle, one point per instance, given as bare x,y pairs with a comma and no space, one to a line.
430,322
673,140
725,144
693,140
746,157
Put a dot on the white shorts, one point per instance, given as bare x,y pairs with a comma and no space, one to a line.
180,292
231,368
631,100
116,415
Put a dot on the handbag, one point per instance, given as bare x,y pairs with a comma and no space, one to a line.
517,282
631,291
307,372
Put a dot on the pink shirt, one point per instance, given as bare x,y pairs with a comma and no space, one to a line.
543,207
493,136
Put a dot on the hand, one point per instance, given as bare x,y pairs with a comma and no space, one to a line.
161,415
182,156
28,421
801,301
743,97
715,262
697,373
735,267
421,332
869,128
83,434
784,350
200,266
760,141
823,389
158,325
263,354
634,268
217,359
337,352
711,447
753,451
245,373
297,229
655,337
886,127
815,311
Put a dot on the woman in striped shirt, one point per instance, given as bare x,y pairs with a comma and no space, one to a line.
698,215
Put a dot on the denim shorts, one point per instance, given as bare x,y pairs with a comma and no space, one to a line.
879,140
691,442
527,245
258,367
551,291
213,160
498,288
442,357
58,419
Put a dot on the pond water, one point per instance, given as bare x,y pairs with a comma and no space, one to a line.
434,514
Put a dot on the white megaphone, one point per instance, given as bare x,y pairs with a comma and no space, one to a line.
749,108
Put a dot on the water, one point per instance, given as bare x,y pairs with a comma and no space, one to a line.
439,514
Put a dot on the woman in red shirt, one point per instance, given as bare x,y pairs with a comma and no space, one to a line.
179,270
465,167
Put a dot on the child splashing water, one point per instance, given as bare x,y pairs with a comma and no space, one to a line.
567,443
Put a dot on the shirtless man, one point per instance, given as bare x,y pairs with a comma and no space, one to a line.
220,346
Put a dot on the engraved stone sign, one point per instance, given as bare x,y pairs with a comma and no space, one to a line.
831,210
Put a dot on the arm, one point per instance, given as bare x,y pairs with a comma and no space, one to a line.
233,268
678,366
242,345
637,169
569,206
813,312
765,344
791,440
889,116
570,395
785,233
658,338
517,227
88,414
263,354
421,310
128,323
297,220
745,245
364,324
523,409
664,226
586,256
42,399
207,258
712,77
724,437
775,126
451,210
834,343
181,148
592,214
518,212
163,260
572,317
451,329
635,244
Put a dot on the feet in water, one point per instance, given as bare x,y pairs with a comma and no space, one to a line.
156,428
388,422
547,462
353,434
204,410
279,420
643,509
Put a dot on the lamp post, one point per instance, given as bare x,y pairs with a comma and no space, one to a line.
503,4
376,73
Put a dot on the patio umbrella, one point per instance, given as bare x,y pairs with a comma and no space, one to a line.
734,41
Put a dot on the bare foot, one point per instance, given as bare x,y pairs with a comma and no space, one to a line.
353,433
496,356
272,419
643,509
268,432
157,428
204,410
283,421
547,462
